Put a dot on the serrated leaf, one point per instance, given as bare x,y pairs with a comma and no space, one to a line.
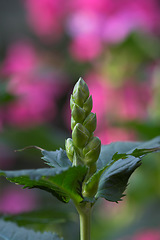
63,183
10,231
135,153
56,158
107,151
115,178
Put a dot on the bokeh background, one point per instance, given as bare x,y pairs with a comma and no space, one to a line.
45,46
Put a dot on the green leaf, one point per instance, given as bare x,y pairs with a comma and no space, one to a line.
92,184
135,153
10,231
56,158
120,167
114,180
41,216
107,151
63,183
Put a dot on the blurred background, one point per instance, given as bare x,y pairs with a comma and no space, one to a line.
45,46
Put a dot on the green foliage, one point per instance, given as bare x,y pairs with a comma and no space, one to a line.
114,180
64,183
42,216
85,171
110,150
56,158
9,231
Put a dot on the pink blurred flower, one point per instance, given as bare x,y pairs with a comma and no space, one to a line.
109,22
101,92
85,48
89,5
133,101
79,24
35,101
91,23
15,200
117,27
45,17
147,235
35,94
114,134
21,58
127,102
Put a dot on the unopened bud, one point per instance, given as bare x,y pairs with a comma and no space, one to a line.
83,87
92,150
80,135
90,122
69,148
78,113
72,102
79,97
73,123
87,106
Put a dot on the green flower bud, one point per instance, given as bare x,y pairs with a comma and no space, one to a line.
89,190
78,113
83,87
80,135
90,122
92,150
87,106
73,123
72,102
69,148
79,97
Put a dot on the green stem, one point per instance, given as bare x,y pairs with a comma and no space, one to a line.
84,217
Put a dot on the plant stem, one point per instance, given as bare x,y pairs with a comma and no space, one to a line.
84,217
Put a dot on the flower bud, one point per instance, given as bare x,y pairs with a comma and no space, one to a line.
80,135
89,190
87,106
92,150
73,123
90,122
72,102
69,148
83,87
79,97
78,113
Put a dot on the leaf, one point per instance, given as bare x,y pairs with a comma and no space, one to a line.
41,216
135,153
64,183
10,231
92,184
56,158
115,178
107,151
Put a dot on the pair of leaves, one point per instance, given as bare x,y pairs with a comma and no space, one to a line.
10,231
115,165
